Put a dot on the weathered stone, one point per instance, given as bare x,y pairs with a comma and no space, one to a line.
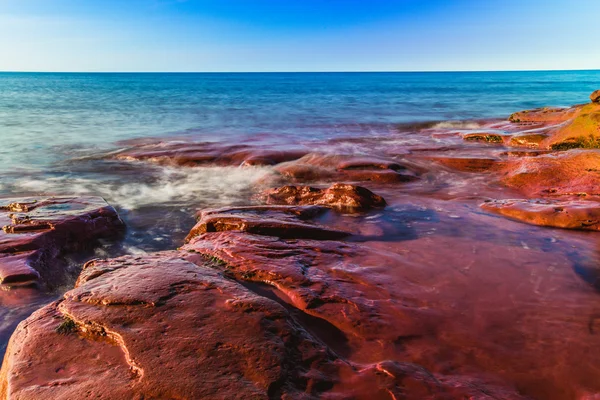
595,96
183,153
573,172
161,327
38,233
282,221
583,131
486,137
545,115
343,197
315,167
530,140
467,163
560,214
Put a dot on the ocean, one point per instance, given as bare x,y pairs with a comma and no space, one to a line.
56,127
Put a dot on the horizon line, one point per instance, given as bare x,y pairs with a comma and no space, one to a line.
296,72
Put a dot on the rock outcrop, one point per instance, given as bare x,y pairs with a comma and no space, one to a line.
37,233
316,167
162,327
573,172
190,154
584,215
595,96
342,197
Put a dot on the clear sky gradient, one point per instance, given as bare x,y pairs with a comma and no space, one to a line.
298,35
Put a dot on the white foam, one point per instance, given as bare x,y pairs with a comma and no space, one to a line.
214,186
456,125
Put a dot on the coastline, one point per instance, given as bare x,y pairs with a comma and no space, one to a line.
451,289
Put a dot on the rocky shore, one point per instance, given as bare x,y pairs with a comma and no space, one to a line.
448,263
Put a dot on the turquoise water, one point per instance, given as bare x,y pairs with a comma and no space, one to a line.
45,118
52,126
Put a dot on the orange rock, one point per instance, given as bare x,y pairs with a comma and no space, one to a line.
530,140
573,172
343,197
468,163
483,137
189,154
545,115
582,131
595,96
560,214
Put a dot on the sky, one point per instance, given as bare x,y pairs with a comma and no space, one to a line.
298,35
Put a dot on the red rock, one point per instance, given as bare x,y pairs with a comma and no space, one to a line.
560,214
483,137
307,272
595,96
337,167
531,140
281,221
161,327
546,115
343,197
573,172
467,163
38,233
183,153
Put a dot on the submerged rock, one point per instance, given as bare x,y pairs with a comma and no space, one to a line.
340,196
37,234
467,163
288,222
316,167
583,215
483,137
190,154
161,327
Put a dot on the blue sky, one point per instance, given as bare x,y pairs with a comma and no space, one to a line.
298,35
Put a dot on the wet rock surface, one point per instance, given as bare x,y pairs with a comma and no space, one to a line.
342,197
573,172
584,215
38,233
447,289
284,221
130,330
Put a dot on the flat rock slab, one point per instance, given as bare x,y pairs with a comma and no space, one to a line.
341,197
573,172
545,115
37,232
190,154
584,215
292,222
159,326
317,167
